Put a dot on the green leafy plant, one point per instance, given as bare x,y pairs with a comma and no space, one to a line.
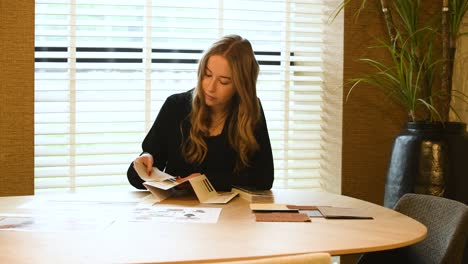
419,74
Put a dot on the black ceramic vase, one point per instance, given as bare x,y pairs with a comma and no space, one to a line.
429,158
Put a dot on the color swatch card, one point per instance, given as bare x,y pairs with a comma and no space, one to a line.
281,217
271,207
330,212
206,193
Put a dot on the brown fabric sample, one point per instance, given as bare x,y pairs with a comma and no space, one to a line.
281,217
302,207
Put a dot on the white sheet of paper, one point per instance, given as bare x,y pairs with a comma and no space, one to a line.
156,175
176,214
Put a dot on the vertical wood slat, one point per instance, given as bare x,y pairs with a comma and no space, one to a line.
16,98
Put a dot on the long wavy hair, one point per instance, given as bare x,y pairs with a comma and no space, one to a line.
244,110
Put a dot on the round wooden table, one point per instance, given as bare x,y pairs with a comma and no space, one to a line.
236,235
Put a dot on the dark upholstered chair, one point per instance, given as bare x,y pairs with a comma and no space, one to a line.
447,224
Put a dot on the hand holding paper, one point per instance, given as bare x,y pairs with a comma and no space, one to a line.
147,160
156,174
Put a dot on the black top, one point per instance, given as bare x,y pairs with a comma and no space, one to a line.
164,143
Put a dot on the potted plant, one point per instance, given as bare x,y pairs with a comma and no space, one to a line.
430,154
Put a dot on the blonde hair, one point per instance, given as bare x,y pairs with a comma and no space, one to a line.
244,109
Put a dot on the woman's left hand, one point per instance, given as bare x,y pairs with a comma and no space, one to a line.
184,184
184,179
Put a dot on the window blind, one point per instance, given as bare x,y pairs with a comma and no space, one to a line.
104,68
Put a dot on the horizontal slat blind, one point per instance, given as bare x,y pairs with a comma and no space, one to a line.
104,68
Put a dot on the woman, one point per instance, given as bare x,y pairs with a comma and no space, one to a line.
218,128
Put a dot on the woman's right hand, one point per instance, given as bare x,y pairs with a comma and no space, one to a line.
147,160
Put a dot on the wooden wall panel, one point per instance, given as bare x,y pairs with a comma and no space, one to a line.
370,120
16,97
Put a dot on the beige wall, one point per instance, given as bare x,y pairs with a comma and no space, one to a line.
16,97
